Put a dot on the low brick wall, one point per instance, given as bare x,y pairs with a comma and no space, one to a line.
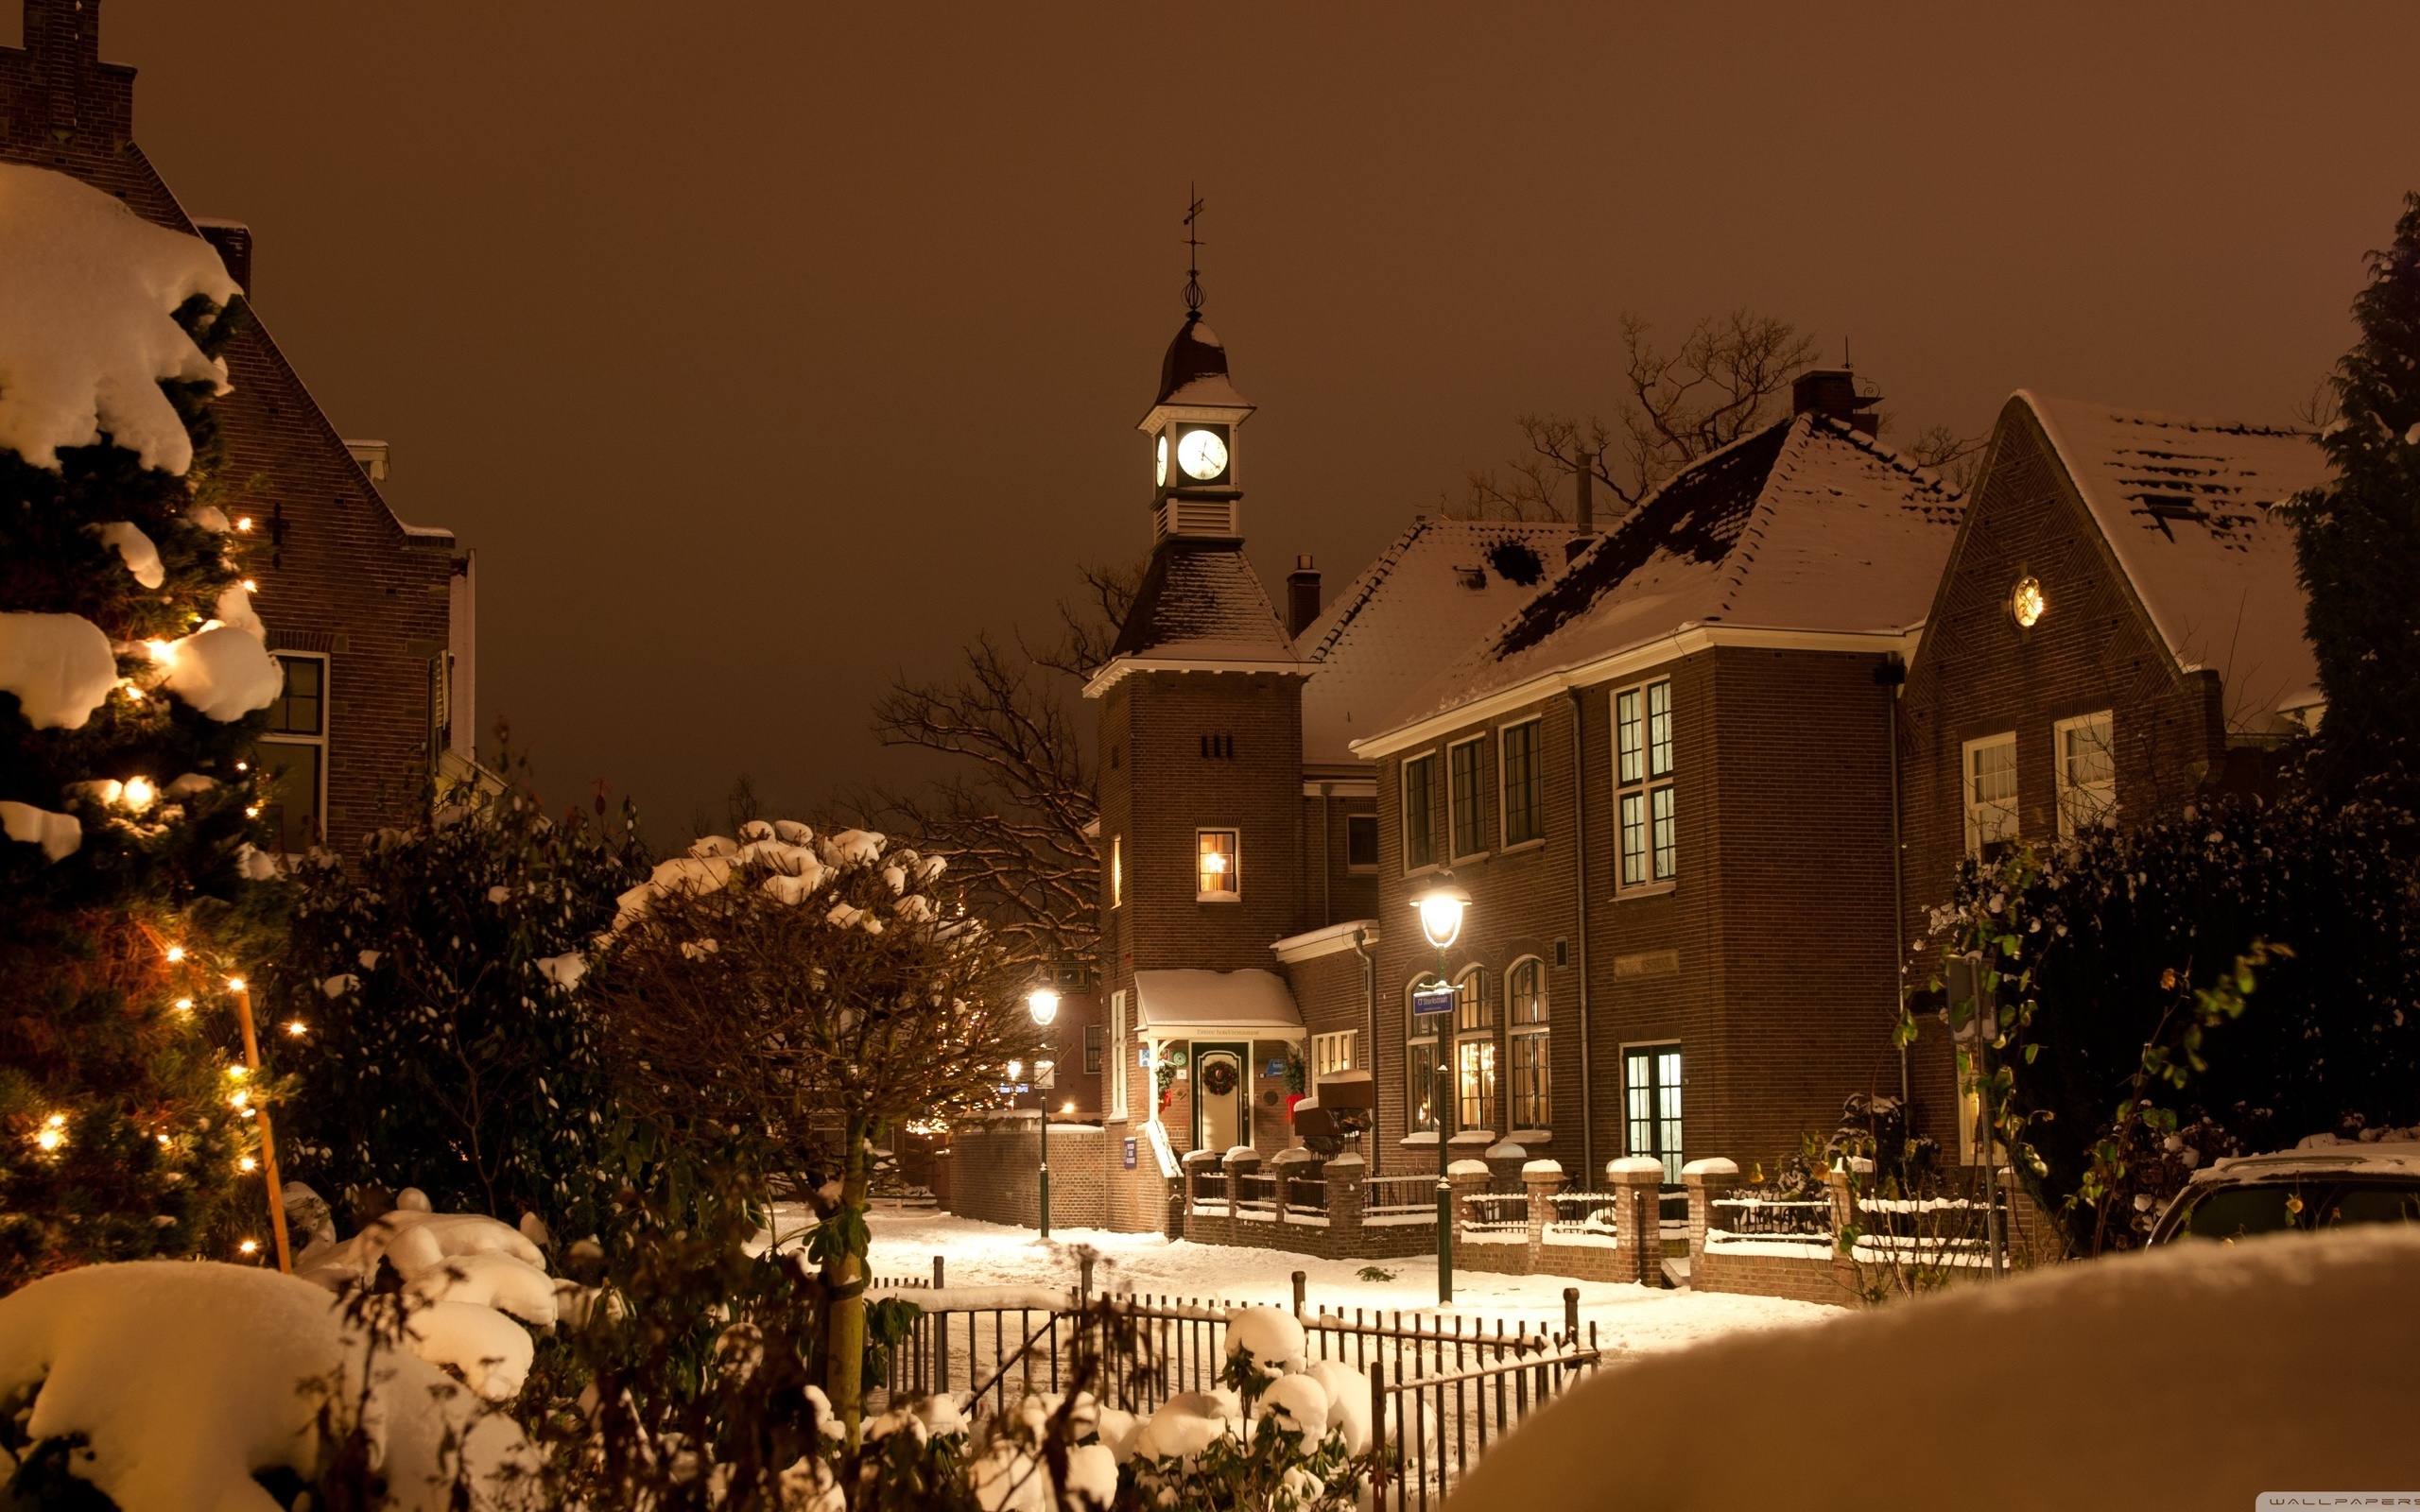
995,1164
1762,1272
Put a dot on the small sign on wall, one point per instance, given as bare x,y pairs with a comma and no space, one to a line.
1130,1153
1274,1068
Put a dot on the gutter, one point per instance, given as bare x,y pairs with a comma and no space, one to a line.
1580,940
1370,993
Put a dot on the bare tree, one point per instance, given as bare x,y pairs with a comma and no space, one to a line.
1013,810
797,997
1956,458
1720,384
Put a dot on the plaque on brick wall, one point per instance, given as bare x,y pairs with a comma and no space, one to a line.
1130,1153
1648,963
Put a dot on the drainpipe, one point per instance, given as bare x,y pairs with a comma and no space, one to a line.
1580,941
1327,859
1893,675
1370,994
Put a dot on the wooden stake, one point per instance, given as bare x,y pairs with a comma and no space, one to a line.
269,1139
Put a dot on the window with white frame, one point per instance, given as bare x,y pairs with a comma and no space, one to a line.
1990,769
1118,1057
1524,783
1420,812
1646,823
1428,1004
1332,1053
1117,870
1651,1104
1474,1052
1465,795
1215,877
2088,768
1525,998
292,756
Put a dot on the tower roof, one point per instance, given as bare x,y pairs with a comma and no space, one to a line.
1195,369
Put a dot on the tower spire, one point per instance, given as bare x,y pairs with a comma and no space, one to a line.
1192,254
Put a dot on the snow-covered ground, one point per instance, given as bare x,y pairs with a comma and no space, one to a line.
1627,1317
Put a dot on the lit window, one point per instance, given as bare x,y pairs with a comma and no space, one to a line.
1420,812
1431,1002
1651,1104
1117,870
1474,1052
1525,786
1118,1055
1990,795
1215,878
1464,802
1332,1053
1646,820
2087,769
1532,1079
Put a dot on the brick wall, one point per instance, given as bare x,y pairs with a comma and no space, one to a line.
995,1161
338,573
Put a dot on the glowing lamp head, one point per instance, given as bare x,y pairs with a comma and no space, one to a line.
1016,1071
1440,909
1043,1004
2027,603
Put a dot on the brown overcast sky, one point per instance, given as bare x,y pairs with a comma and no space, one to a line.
764,350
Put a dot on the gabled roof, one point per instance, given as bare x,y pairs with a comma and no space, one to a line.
1805,526
1442,585
1199,603
2190,509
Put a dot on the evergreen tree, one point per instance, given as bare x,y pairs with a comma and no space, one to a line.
129,891
2359,537
447,1040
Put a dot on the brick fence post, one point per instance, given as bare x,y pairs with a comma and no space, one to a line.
1504,1162
1840,1184
1193,1164
1638,1180
1468,1179
1345,1202
1706,1180
1544,1178
1241,1161
1286,1164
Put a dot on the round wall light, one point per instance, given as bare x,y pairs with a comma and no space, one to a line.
2027,603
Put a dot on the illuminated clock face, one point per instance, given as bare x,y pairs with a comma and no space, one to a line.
1202,454
1160,465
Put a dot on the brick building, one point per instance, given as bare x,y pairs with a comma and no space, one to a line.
372,619
2120,628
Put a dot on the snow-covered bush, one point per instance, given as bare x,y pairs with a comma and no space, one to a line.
448,1041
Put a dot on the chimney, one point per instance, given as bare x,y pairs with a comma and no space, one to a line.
232,241
1583,513
1832,391
1302,597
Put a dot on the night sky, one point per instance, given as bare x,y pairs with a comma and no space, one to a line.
763,351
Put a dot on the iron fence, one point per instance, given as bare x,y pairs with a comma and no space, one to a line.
1497,1213
1767,1217
1306,1193
1399,1196
1428,1429
1587,1216
1256,1194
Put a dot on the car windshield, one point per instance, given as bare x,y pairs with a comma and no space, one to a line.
2372,1204
2233,1212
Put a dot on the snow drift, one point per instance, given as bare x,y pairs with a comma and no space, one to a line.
2197,1375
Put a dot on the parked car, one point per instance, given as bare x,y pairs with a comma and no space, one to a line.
2323,1183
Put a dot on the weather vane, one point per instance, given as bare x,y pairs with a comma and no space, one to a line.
1193,254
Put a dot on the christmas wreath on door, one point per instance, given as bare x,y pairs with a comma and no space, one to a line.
1218,1078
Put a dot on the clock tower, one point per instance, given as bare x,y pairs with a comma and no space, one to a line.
1193,426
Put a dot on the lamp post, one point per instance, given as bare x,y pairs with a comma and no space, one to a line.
1043,1004
1441,907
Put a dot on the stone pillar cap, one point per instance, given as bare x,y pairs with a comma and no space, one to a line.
1540,1170
1507,1151
1711,1165
1633,1165
1242,1155
1467,1168
1345,1161
1192,1156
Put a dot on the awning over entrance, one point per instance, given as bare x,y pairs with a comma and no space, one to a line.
1250,1004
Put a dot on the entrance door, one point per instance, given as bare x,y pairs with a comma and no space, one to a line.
1221,1097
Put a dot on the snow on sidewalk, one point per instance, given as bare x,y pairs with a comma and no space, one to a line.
1629,1317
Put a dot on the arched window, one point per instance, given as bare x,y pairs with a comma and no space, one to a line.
1428,1002
1531,1030
1474,1050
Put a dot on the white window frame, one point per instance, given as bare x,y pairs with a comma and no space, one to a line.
2000,820
1647,847
1520,1033
1536,724
1654,1048
1235,870
1117,871
1117,1054
1474,1029
2092,803
327,681
1339,1050
1477,746
1438,844
1422,1033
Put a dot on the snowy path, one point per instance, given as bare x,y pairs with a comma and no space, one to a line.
1628,1317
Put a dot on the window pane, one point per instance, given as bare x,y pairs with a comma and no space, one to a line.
2087,773
1092,1049
1651,1104
1475,1082
1533,1106
1634,839
1473,1007
1638,1100
302,702
1217,863
1659,730
1361,839
290,789
1470,826
1524,786
1529,992
1628,738
1117,871
1419,838
1659,805
1991,792
1420,1083
1668,1093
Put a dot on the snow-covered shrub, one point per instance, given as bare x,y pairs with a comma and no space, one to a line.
449,1043
1282,1434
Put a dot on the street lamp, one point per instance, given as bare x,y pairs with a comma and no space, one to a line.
1043,1004
1440,909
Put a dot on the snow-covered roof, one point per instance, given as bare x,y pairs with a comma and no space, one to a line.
2190,509
1805,526
1194,373
1192,1004
88,290
1199,603
1440,586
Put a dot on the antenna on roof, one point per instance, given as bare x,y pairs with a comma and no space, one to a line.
1192,254
1847,361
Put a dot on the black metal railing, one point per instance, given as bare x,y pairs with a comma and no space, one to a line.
1211,1186
1497,1213
1306,1193
1429,1430
1765,1217
1587,1216
1256,1194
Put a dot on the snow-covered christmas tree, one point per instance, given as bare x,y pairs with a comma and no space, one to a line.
131,669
